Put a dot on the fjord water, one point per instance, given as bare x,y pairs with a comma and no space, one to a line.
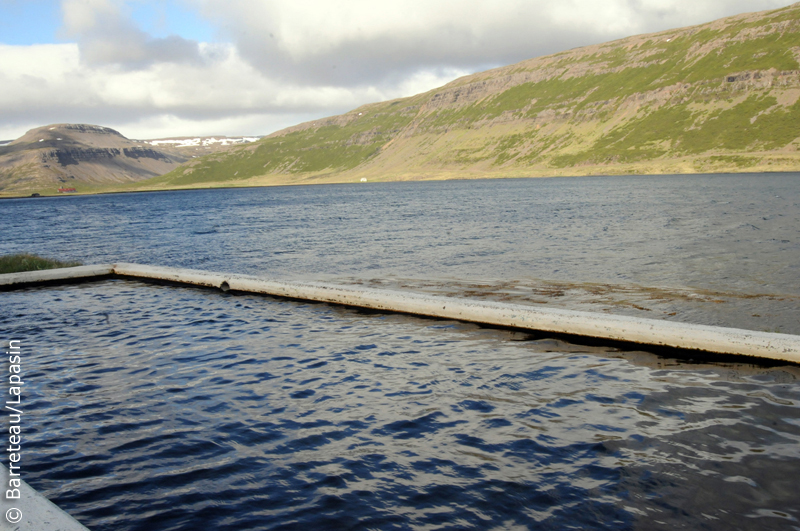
720,250
155,407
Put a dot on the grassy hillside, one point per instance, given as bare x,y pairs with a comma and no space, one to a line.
723,96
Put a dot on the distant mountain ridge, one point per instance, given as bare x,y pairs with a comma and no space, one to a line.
91,157
717,97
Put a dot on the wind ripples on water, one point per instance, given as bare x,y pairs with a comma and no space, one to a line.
709,249
179,408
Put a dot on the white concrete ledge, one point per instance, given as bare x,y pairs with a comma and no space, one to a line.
711,339
32,511
10,280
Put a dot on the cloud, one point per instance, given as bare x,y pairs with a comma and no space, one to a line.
280,63
106,35
354,43
51,84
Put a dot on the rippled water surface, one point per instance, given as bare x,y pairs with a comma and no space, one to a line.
161,408
155,407
720,249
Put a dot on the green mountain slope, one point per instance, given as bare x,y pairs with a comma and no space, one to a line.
723,96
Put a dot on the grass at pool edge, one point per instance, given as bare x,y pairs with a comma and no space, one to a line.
18,263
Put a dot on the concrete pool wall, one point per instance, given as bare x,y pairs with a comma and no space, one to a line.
597,326
32,511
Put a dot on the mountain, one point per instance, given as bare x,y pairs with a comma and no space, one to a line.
91,157
718,97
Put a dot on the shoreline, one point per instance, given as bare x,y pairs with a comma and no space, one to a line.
245,184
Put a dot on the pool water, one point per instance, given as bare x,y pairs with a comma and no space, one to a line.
154,407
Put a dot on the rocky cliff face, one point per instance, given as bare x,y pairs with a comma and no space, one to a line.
74,156
718,97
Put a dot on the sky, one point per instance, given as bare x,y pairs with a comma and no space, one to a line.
155,69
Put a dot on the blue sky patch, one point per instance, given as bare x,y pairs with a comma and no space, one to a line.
25,22
162,19
29,21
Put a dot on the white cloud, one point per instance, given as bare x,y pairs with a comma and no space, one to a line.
167,125
46,75
107,35
281,63
222,95
355,42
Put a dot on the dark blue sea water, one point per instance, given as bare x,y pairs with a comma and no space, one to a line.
154,407
720,250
